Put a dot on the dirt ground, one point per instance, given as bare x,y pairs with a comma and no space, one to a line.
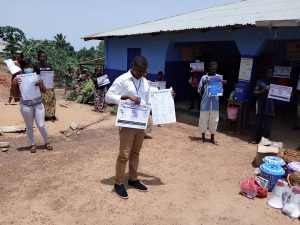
189,183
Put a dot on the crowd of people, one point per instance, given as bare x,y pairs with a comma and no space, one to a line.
134,86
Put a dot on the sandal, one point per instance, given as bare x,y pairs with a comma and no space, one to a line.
201,140
213,141
33,149
48,147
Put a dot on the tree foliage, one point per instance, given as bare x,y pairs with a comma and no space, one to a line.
61,54
14,37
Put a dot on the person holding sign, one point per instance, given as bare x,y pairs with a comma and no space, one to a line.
99,94
31,104
134,87
209,108
14,93
265,107
49,100
195,76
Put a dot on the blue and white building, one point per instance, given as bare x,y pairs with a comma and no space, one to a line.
268,31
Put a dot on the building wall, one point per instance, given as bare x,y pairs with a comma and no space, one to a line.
164,51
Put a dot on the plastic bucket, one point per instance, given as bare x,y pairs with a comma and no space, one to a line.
272,173
293,167
274,160
232,112
241,92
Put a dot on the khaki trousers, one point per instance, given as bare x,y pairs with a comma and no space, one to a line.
209,120
131,142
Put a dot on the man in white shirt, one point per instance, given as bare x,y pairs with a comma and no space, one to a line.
134,87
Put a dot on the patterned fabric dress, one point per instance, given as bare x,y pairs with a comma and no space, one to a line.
49,102
14,91
99,95
49,99
99,100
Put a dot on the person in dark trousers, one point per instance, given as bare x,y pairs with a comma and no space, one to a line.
265,107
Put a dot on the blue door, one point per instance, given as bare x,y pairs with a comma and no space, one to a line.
131,53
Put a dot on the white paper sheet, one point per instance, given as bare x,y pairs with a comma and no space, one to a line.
11,66
103,80
245,69
47,77
163,108
281,71
28,89
132,116
280,92
197,67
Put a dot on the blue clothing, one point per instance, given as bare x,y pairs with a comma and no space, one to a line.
264,105
208,103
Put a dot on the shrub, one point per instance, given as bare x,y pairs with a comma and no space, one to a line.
87,92
72,96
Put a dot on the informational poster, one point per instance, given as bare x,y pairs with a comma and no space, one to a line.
280,92
163,108
132,116
282,71
28,88
197,67
162,85
245,69
103,80
215,86
48,78
11,66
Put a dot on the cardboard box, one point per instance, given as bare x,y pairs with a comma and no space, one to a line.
271,150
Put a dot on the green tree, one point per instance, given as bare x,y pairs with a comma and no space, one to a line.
14,37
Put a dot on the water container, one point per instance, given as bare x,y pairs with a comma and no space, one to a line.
272,173
241,92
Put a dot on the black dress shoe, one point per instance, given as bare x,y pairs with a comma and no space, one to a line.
137,185
121,191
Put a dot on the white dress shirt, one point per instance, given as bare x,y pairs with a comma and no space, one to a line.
126,84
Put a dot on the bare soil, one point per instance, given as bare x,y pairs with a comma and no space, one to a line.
189,183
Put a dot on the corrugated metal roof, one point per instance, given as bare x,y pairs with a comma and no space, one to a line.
240,13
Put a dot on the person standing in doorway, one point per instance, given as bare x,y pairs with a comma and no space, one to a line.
265,107
160,76
209,108
48,96
194,82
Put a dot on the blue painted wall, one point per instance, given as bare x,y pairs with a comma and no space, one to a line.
163,51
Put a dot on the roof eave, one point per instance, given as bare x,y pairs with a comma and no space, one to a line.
203,29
